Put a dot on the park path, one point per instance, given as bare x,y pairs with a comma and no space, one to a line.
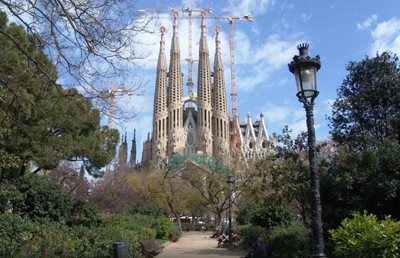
198,245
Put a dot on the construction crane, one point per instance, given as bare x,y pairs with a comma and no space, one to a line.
190,60
175,13
110,100
230,19
109,96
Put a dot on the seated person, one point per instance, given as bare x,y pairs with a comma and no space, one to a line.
217,232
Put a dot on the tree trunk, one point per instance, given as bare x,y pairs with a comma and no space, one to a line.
177,216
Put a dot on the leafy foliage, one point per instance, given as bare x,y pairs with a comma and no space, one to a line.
362,180
367,109
21,237
37,197
42,122
365,236
265,216
83,213
292,241
163,227
249,233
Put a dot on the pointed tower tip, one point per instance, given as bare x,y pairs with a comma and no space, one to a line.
162,39
175,14
217,40
162,30
203,21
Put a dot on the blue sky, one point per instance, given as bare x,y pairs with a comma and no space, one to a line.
338,30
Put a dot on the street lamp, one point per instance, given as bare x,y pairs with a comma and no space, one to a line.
230,182
305,70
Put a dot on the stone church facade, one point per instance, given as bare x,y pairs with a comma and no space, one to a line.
196,124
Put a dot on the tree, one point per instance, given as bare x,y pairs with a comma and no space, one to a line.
282,178
75,183
36,197
91,41
207,176
362,180
42,122
113,193
367,109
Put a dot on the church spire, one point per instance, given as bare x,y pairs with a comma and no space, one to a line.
175,94
220,116
204,91
160,114
132,160
203,37
175,39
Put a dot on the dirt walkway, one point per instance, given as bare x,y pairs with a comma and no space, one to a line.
198,245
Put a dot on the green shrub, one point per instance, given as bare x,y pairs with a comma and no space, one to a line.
9,195
163,227
36,197
20,237
248,234
176,232
265,216
293,241
365,236
141,224
243,217
271,216
83,213
14,233
144,210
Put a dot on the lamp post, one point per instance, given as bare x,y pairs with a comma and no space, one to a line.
230,181
305,70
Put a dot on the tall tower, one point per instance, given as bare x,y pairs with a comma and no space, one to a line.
219,114
132,160
204,93
175,94
123,152
160,113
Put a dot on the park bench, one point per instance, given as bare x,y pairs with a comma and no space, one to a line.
150,249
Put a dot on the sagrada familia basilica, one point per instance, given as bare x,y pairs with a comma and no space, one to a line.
195,124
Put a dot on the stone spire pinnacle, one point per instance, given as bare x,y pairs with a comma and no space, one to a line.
132,160
161,55
219,104
175,38
175,94
218,60
160,114
203,37
204,93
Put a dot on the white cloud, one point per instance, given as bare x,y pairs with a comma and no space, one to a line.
275,114
263,59
253,7
386,36
368,22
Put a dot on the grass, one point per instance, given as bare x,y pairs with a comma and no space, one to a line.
160,241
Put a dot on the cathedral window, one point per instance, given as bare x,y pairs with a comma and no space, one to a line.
264,144
220,122
209,119
163,127
174,118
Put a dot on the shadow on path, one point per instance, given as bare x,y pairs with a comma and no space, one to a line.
196,244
